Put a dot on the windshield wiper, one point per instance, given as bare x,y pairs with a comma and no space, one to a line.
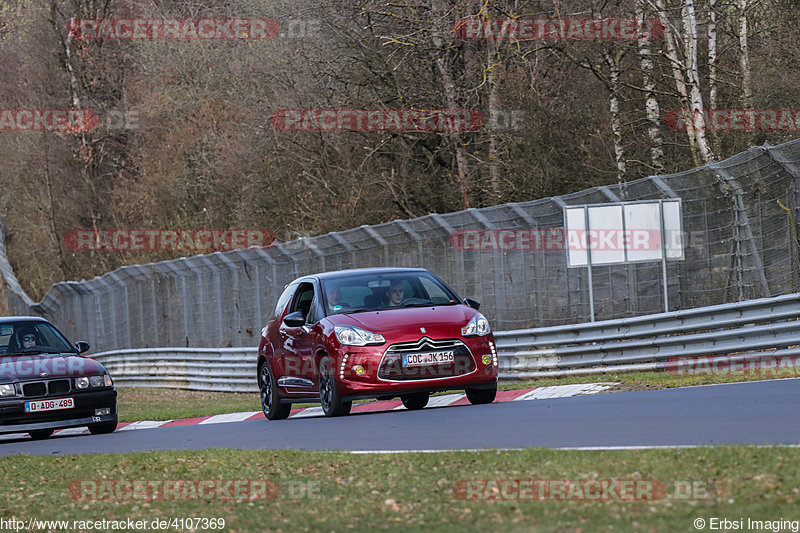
35,350
420,304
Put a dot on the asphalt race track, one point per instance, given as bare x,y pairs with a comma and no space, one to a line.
765,412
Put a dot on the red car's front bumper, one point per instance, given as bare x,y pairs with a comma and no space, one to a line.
371,371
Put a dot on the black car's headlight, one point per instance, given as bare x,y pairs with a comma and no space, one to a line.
93,382
7,389
353,336
478,325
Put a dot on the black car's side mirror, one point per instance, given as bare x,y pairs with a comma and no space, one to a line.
82,346
473,303
295,320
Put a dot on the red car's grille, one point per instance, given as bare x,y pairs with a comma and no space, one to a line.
393,369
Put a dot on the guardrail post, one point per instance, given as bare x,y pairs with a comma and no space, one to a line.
380,240
539,264
743,221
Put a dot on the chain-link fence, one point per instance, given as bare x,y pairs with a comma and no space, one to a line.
740,242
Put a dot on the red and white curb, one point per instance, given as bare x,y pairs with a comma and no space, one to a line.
540,393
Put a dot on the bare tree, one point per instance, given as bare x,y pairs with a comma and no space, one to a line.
652,111
744,56
713,82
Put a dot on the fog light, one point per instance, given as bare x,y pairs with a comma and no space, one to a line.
103,411
486,359
359,370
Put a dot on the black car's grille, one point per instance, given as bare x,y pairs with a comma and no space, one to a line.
392,364
34,389
58,386
53,387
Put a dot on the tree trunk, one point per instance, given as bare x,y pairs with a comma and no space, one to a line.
693,77
445,67
616,121
744,57
713,98
493,63
677,68
652,111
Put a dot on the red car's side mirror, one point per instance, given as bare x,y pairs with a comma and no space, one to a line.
295,320
473,303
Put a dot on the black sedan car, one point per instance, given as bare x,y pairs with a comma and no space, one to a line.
46,384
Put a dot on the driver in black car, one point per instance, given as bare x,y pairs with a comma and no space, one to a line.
27,337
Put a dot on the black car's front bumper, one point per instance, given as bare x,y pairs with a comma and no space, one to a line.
14,419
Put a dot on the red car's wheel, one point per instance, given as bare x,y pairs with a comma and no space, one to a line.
270,403
332,403
412,402
480,396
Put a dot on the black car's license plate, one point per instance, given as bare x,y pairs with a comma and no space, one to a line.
49,405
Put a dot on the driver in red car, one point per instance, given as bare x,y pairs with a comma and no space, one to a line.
396,294
334,303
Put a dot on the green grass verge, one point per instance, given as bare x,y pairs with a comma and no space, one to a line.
167,404
336,491
136,404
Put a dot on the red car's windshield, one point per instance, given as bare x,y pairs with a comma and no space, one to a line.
371,292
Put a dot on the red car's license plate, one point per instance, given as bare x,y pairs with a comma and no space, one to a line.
49,405
430,358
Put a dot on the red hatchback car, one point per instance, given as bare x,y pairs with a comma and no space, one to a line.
373,333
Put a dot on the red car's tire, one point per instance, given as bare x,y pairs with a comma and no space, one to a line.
481,396
412,402
270,402
329,397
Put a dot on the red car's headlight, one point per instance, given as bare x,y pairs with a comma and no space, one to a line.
478,325
353,336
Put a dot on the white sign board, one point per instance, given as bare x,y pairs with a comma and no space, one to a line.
625,232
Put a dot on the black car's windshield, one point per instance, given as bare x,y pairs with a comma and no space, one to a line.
20,337
377,291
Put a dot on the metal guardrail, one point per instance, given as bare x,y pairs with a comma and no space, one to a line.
209,369
752,330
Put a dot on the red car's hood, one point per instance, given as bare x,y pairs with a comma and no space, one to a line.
438,321
47,366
